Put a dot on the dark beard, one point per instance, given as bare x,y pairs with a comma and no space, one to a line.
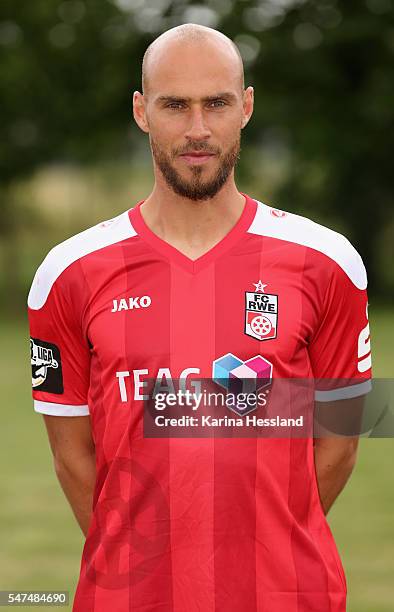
195,189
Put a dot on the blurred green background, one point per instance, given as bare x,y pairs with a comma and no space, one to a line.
320,144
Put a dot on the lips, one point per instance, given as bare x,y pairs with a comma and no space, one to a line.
197,153
197,157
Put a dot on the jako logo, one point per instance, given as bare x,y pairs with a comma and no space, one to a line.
131,302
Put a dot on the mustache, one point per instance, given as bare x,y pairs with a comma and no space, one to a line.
195,147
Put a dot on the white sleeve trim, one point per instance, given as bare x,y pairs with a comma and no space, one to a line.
60,409
344,392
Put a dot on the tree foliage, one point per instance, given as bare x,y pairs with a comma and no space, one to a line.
322,73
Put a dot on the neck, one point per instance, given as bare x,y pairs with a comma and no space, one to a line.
193,227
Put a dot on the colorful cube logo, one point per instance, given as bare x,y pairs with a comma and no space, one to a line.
239,376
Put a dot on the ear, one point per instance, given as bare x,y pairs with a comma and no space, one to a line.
139,111
248,102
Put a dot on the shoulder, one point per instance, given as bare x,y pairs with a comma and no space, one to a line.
296,229
71,250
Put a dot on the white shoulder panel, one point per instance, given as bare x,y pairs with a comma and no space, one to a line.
300,230
67,252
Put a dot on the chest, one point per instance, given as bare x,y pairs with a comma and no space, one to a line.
155,315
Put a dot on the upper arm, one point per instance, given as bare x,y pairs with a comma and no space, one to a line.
60,353
340,351
70,439
337,426
340,420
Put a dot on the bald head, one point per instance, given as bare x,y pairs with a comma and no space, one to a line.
194,106
186,36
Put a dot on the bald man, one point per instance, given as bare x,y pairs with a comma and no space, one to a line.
193,506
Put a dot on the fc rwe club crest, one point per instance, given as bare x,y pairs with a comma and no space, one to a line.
261,313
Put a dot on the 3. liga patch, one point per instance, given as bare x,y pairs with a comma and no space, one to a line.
261,313
46,366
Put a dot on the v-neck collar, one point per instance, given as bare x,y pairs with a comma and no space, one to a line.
176,256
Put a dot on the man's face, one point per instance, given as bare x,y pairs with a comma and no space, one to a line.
194,111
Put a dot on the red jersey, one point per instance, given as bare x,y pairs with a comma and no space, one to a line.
203,524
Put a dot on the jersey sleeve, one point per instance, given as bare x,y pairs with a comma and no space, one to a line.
340,349
60,355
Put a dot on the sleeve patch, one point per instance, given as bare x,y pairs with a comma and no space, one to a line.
46,367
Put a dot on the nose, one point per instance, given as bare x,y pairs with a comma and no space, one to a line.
197,128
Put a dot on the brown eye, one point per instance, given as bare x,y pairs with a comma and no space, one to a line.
217,103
